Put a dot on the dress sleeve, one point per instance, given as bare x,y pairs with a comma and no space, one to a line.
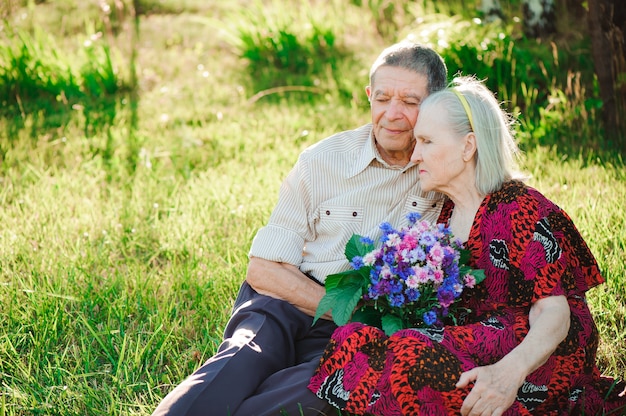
553,253
530,249
582,269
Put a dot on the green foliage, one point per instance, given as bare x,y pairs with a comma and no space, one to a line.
540,83
35,76
285,47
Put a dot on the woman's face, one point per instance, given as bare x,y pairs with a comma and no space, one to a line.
439,152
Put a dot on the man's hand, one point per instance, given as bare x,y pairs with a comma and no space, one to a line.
285,281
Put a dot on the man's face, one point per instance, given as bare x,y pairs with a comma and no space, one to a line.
395,96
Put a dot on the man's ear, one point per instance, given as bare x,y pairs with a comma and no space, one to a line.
368,91
470,147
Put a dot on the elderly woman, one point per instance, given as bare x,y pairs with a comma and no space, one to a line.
528,346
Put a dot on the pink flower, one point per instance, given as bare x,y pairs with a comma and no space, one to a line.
469,280
385,272
436,253
370,258
438,276
421,274
393,240
413,282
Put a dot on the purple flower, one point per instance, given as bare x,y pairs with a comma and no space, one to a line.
445,296
428,239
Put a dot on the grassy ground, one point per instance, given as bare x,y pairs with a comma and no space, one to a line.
125,227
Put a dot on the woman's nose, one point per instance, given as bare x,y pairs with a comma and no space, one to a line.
416,156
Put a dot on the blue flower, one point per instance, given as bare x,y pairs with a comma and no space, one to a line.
412,294
388,257
396,286
445,230
367,241
413,217
396,300
357,262
372,292
386,228
430,318
374,275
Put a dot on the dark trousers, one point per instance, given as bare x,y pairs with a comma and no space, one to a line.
263,367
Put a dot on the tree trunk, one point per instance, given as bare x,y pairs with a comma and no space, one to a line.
607,24
491,10
539,18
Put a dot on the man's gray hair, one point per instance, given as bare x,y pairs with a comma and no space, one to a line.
416,58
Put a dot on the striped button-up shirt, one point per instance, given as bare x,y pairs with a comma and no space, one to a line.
340,186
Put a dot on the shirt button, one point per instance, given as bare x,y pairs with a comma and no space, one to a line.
327,212
414,203
433,205
354,214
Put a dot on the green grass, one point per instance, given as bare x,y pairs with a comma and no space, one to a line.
126,219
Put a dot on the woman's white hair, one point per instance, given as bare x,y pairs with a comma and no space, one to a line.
497,151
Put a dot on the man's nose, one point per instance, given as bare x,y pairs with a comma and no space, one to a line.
395,110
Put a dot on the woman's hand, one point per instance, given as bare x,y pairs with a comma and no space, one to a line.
495,386
494,391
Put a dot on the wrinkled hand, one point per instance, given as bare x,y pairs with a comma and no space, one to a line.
493,393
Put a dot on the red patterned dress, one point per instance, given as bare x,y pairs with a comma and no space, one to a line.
529,249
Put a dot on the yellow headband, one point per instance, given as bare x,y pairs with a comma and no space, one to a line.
467,108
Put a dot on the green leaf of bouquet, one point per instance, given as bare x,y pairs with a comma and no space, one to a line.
345,301
326,304
354,247
391,324
342,295
367,315
334,280
464,256
479,275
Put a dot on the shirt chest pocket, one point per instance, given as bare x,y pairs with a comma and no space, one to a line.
339,221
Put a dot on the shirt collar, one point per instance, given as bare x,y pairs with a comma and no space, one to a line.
370,155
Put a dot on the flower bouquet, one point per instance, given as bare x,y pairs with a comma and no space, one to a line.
413,280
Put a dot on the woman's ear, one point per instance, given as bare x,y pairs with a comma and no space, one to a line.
470,147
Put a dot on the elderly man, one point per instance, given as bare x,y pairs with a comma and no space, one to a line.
346,184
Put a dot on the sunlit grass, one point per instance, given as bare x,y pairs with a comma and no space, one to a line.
115,283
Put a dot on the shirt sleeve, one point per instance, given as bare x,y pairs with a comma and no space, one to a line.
283,238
